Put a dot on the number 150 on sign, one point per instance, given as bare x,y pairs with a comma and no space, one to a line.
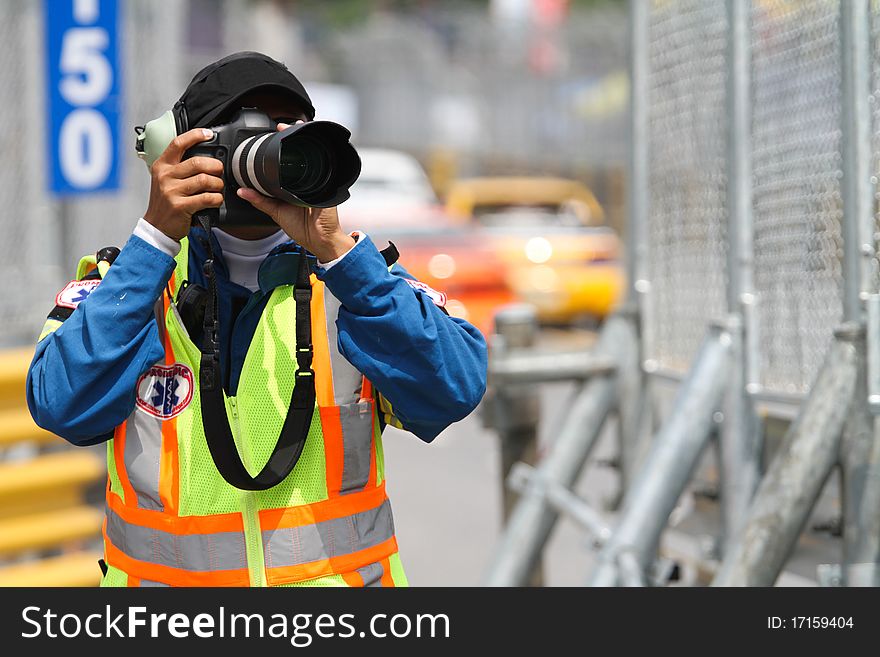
83,94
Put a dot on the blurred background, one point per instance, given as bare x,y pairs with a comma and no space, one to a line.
502,155
434,92
493,147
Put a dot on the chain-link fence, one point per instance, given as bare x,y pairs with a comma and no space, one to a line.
688,180
875,103
796,146
796,183
42,238
25,219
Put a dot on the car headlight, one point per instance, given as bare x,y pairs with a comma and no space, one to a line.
538,250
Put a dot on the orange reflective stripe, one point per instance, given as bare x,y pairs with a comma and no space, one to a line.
221,522
366,389
168,575
168,469
134,581
321,346
309,514
169,488
334,453
353,579
128,494
387,580
332,566
334,449
367,394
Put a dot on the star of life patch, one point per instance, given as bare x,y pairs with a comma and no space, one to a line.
75,293
165,390
439,298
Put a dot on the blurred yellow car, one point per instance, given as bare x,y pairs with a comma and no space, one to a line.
550,234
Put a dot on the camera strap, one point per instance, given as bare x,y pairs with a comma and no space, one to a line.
295,430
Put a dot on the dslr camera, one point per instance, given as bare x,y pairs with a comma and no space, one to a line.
310,164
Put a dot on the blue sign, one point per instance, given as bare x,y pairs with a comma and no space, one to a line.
84,93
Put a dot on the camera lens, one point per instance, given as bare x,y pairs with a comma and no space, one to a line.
305,165
311,164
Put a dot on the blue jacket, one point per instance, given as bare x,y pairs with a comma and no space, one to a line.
81,383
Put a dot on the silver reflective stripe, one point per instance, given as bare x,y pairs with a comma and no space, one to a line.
347,381
332,538
143,449
151,583
196,552
372,574
357,441
356,418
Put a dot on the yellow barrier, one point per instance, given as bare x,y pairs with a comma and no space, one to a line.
48,529
46,475
17,426
13,370
42,499
74,569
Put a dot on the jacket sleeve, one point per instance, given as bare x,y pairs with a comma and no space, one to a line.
429,366
81,382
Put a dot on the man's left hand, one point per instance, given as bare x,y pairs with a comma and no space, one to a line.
317,229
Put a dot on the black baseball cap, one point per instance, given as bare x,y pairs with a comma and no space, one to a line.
219,86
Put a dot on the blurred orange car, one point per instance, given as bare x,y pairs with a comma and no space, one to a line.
550,235
459,262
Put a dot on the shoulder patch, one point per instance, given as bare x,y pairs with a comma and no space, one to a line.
439,298
75,292
165,390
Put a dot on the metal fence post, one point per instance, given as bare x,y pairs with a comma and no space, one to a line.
633,407
795,479
741,431
633,387
516,406
858,223
668,467
860,462
637,185
860,453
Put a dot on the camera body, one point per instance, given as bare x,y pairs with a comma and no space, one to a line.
309,164
234,211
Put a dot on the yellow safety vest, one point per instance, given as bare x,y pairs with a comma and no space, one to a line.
171,519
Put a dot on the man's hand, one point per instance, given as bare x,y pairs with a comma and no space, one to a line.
180,189
317,229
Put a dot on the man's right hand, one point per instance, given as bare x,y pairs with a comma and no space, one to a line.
180,189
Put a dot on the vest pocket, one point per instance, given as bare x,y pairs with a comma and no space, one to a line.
356,421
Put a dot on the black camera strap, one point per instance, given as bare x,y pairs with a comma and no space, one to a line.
293,436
